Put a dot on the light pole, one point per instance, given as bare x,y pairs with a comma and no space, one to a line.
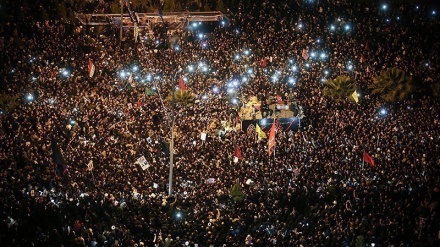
122,13
170,178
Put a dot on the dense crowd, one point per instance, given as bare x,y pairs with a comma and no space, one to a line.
315,190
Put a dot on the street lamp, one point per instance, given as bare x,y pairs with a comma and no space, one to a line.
170,178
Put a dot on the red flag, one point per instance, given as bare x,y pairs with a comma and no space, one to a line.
237,153
367,158
271,142
279,100
278,127
91,68
182,85
263,62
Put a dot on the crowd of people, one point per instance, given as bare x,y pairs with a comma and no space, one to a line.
70,151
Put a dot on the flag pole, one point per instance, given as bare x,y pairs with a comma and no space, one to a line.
275,141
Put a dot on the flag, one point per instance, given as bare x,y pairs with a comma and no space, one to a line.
136,32
362,58
91,68
237,123
355,97
250,129
260,132
305,54
279,99
367,158
56,153
60,168
278,127
271,142
237,154
182,85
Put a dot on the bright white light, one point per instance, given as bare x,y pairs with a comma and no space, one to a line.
384,7
318,40
322,79
176,48
72,122
313,54
332,27
142,80
274,78
194,24
235,83
201,35
29,97
75,109
204,45
347,27
135,68
205,97
230,91
215,89
398,17
433,12
250,71
237,57
322,55
427,64
191,68
307,65
300,25
292,80
234,101
65,73
290,61
263,122
179,215
201,64
350,67
34,78
205,69
185,79
244,79
383,111
223,23
294,68
247,52
122,74
326,72
149,77
51,101
157,42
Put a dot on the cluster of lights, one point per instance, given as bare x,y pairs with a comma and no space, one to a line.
29,97
65,72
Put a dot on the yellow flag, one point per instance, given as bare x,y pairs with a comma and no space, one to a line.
260,132
354,95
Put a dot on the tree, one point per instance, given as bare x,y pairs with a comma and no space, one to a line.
182,97
392,85
236,193
8,102
339,88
